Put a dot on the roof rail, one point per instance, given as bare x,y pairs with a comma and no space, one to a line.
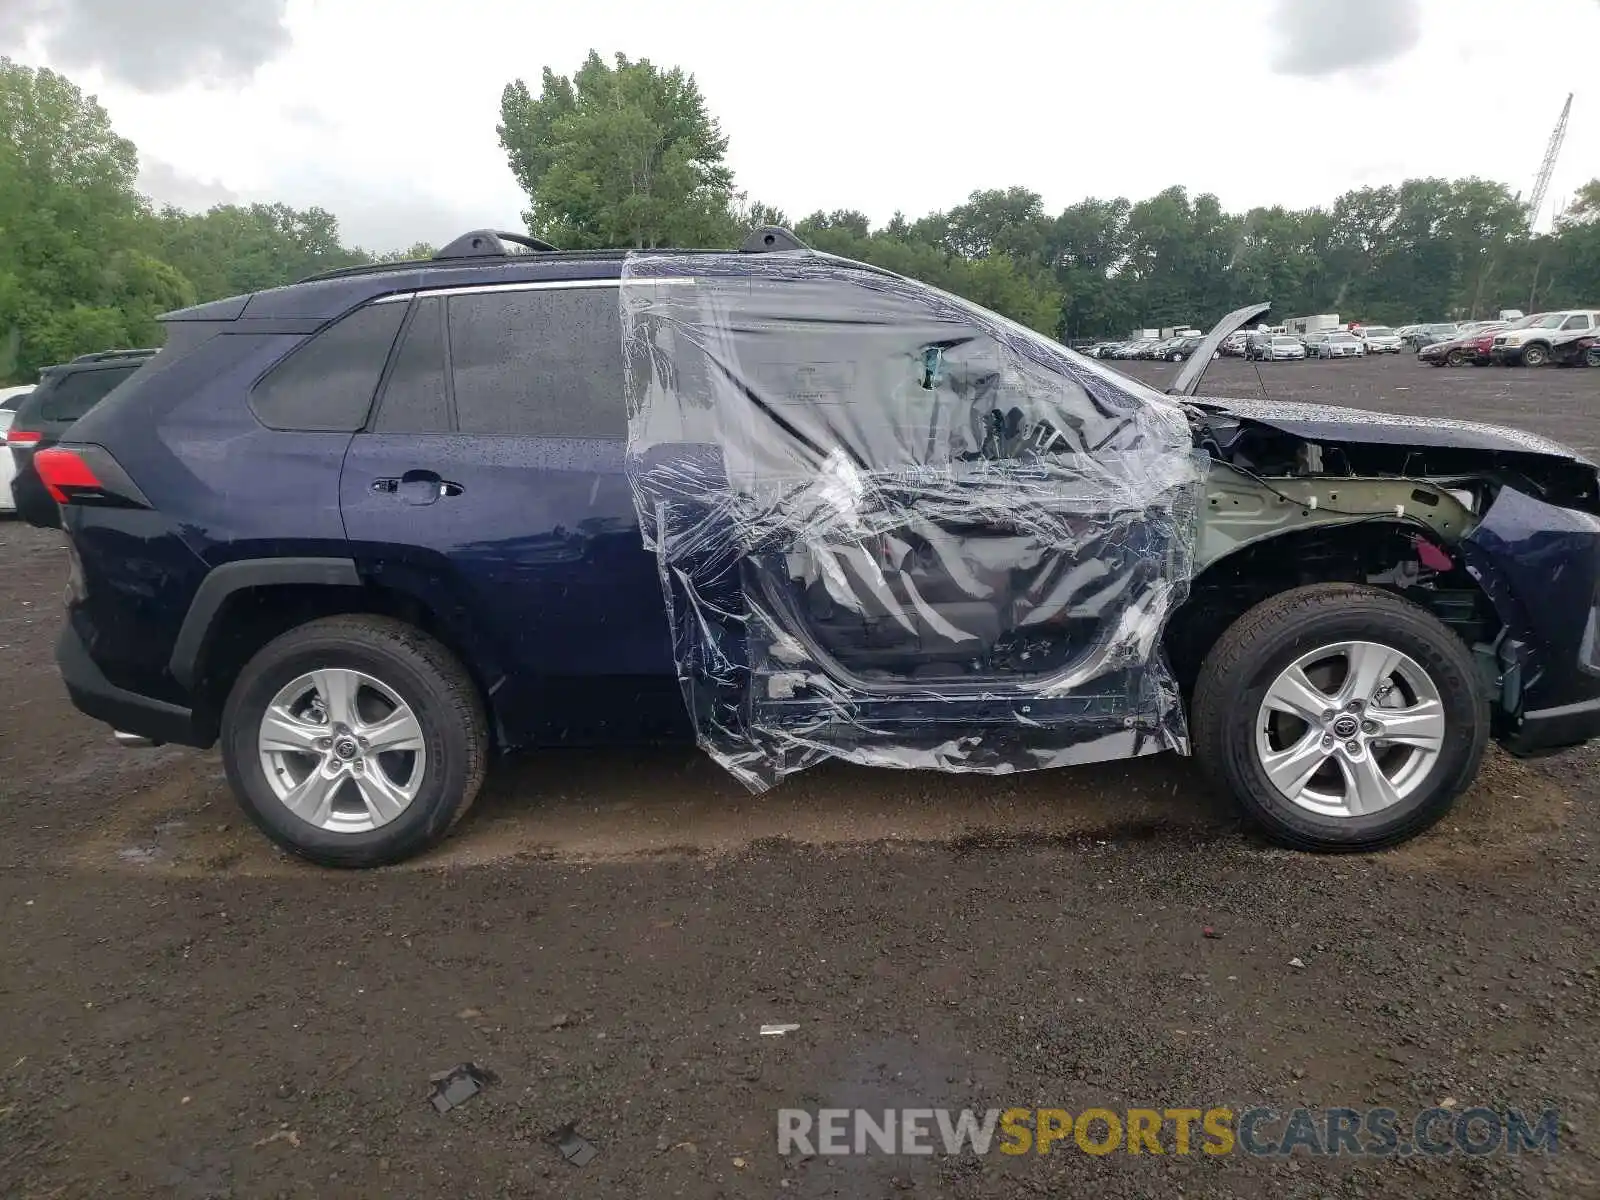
770,239
491,243
105,355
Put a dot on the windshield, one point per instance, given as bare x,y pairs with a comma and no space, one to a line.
1552,321
1341,337
1285,340
1379,331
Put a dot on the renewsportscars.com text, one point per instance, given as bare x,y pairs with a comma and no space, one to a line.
1380,1132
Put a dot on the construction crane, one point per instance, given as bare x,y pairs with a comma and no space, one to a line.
1541,185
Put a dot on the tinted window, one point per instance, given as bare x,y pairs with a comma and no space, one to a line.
68,397
328,383
541,363
1578,322
414,399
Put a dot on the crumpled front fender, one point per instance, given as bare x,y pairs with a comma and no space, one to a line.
1539,564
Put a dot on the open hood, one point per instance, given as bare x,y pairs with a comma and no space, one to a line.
1188,380
1332,424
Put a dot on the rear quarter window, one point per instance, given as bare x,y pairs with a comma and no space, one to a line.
328,382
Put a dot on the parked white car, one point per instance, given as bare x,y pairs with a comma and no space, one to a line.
1340,344
10,398
1282,346
1380,339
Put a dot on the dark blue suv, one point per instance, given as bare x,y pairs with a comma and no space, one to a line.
366,529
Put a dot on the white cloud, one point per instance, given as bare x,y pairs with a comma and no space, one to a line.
1318,39
383,111
151,45
167,185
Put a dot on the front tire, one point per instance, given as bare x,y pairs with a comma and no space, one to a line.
1535,355
1341,717
354,741
1456,359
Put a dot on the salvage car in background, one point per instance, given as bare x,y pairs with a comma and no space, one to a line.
1532,341
1181,350
10,399
64,393
1380,339
1576,352
1421,336
1470,348
1339,344
1274,348
792,533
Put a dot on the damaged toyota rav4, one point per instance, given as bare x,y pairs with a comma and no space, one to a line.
369,529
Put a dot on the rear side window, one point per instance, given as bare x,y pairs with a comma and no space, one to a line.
415,399
327,384
540,363
67,397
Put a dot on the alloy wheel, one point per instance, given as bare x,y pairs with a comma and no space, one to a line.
1350,729
342,750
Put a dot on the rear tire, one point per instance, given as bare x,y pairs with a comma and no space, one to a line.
1231,717
364,815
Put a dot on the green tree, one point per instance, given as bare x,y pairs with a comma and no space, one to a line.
75,269
619,155
234,249
1010,222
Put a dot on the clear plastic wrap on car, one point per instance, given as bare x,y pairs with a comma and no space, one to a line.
896,529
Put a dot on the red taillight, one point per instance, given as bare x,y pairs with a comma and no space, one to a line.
23,437
86,474
61,469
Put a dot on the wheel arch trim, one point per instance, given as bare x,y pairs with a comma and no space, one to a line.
230,578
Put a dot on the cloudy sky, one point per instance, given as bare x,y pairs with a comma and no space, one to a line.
384,110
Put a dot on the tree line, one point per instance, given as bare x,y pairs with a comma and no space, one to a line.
624,153
627,154
87,263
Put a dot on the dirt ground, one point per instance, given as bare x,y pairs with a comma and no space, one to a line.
184,1012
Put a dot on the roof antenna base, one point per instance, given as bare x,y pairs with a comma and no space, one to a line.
771,239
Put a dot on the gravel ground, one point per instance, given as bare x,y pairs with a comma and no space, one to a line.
184,1012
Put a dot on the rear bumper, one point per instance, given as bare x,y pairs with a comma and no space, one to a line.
96,696
33,504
